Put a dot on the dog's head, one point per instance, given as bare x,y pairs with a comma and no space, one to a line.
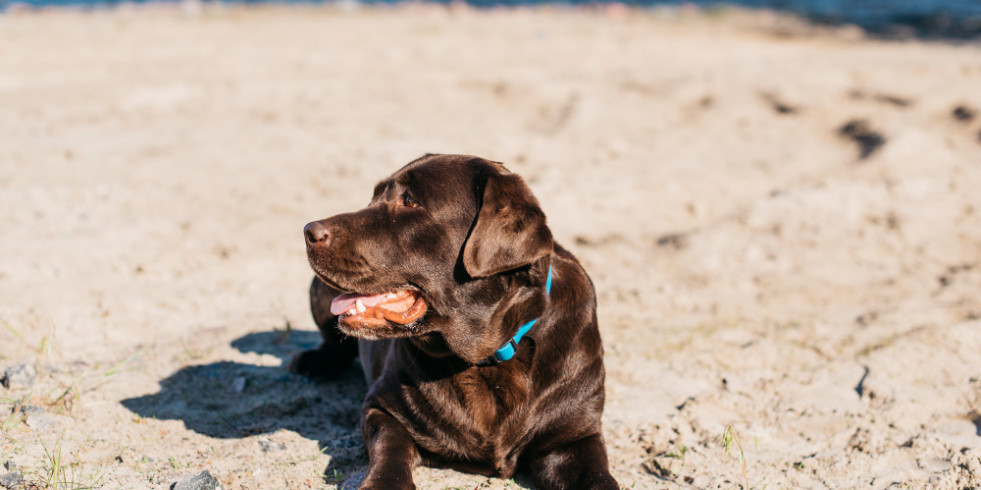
452,249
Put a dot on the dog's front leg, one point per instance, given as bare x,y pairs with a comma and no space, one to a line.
391,452
579,465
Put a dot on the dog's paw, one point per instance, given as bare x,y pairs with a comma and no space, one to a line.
300,364
603,481
387,484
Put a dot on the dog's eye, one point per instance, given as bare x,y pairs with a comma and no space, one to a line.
408,201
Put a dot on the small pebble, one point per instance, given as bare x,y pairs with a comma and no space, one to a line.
269,445
19,376
238,384
41,422
31,410
11,480
201,481
9,465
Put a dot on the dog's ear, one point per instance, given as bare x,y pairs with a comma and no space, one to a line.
509,231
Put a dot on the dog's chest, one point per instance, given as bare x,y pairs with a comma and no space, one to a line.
480,414
491,396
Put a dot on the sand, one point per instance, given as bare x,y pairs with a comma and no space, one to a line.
758,275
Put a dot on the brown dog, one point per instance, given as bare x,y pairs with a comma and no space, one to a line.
478,333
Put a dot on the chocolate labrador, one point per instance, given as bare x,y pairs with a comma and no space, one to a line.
476,331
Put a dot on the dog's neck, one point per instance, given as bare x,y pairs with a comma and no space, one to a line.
436,346
508,350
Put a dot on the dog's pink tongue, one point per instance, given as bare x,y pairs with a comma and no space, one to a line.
344,302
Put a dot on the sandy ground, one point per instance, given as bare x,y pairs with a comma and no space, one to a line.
754,271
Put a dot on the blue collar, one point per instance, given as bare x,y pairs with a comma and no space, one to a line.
507,352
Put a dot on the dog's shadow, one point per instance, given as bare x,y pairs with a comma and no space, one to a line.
232,400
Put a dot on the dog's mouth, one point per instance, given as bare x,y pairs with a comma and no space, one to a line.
402,307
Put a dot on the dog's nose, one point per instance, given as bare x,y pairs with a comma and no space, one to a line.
316,233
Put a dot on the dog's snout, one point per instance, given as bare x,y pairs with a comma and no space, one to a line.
316,233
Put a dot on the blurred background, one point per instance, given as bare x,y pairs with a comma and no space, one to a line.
890,17
777,202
